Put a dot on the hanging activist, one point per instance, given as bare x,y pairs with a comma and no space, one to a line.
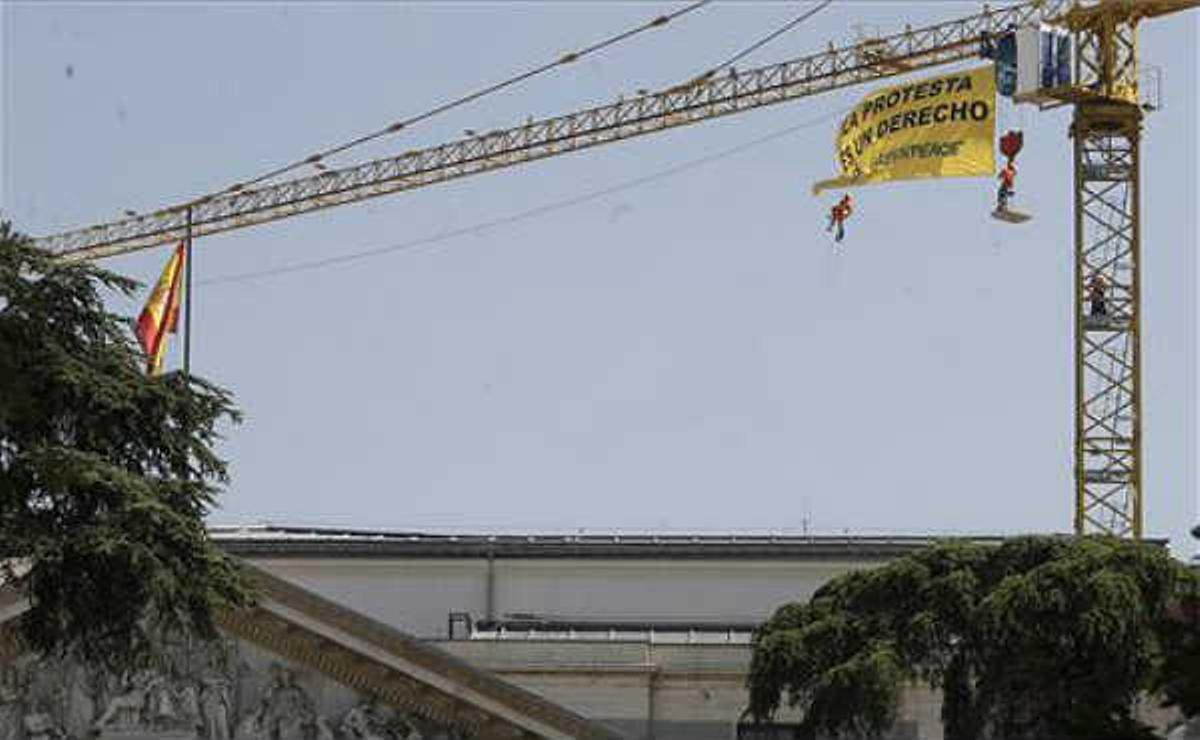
838,215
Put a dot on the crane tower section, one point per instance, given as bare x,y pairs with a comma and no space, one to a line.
1094,67
1106,132
1108,397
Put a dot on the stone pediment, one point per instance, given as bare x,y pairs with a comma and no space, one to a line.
297,666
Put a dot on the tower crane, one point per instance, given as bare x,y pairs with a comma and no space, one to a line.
1105,130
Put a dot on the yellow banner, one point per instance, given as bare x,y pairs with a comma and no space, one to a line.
943,126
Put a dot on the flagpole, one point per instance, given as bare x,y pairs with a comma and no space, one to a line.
187,330
187,293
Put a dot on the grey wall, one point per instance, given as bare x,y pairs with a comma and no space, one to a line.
417,594
413,595
655,692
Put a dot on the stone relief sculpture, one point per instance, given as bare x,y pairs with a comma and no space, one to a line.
128,708
11,692
195,692
369,721
290,713
284,710
41,726
214,708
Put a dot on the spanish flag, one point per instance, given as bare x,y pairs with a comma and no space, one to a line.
160,316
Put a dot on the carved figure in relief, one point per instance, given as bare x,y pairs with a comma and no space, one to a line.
161,701
321,729
187,703
214,708
284,712
286,705
12,694
128,707
369,721
253,726
39,725
358,723
291,710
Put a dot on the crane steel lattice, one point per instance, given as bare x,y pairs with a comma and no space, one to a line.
1108,414
1108,401
1106,132
1106,129
835,68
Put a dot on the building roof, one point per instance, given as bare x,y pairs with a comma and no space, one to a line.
265,540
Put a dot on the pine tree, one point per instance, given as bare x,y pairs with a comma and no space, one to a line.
106,475
1036,637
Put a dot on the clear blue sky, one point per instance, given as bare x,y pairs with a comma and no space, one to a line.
685,354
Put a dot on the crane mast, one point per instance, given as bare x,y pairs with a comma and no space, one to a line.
1108,382
1106,134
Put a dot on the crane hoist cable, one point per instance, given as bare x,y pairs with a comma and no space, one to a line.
728,63
774,34
396,127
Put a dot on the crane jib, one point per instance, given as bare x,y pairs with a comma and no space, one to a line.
836,68
861,62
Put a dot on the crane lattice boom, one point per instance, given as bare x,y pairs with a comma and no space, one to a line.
693,102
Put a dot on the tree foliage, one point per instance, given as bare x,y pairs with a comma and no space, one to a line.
105,475
1179,672
1034,637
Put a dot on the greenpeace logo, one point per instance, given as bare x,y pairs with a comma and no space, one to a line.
931,150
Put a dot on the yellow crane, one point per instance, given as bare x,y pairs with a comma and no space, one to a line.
1105,130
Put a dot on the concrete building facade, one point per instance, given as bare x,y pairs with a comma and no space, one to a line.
392,635
417,581
648,635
